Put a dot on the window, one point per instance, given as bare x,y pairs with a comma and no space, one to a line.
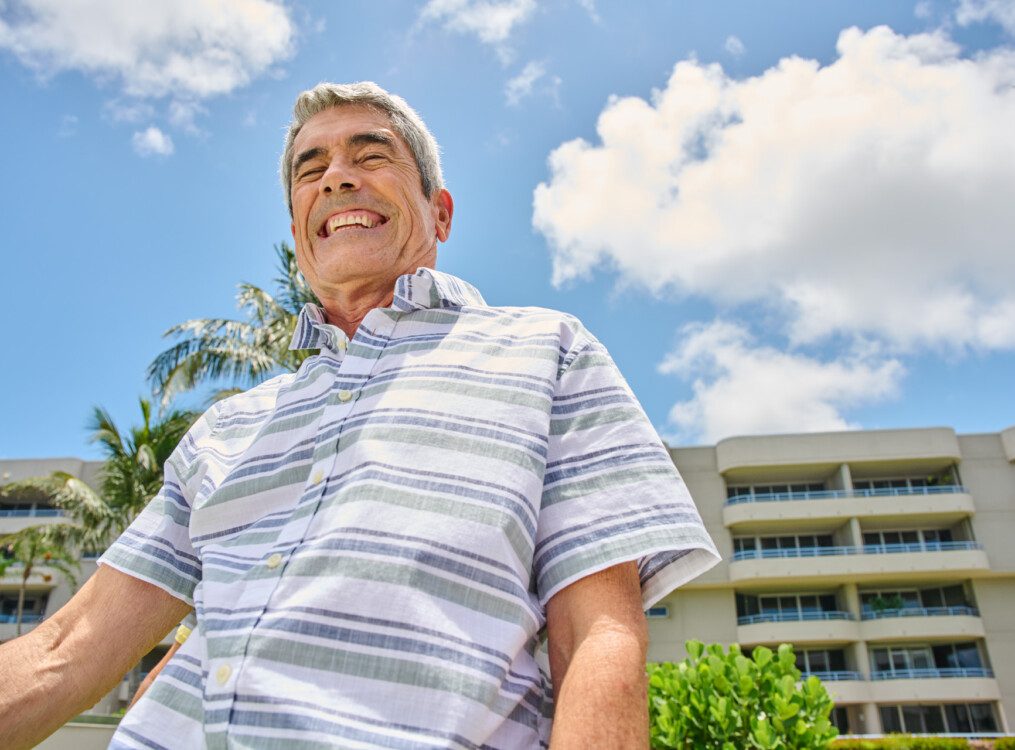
821,660
658,612
840,719
901,659
915,539
957,656
952,718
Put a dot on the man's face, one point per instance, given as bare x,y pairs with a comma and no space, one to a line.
359,213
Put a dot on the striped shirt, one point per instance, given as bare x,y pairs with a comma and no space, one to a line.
370,543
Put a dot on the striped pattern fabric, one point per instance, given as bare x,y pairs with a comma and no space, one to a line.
370,543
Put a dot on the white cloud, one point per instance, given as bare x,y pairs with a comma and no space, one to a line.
182,113
1001,12
741,388
523,85
68,126
491,21
177,48
590,7
734,46
132,111
868,197
152,142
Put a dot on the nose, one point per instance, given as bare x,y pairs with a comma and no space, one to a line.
340,176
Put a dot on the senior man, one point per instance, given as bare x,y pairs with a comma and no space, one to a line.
379,547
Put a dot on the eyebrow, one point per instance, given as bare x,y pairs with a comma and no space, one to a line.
370,137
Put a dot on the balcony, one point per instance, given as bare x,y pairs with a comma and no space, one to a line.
921,623
844,687
797,627
960,684
932,673
15,519
871,562
943,503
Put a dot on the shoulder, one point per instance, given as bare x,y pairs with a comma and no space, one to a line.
570,334
248,404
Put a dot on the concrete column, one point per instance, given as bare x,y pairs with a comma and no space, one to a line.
851,596
855,534
845,477
871,718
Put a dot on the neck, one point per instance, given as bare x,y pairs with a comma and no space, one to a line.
346,304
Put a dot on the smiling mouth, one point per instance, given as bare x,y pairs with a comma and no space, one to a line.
348,220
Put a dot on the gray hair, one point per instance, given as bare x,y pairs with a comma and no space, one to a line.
404,120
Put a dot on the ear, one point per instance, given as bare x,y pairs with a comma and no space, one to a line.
444,209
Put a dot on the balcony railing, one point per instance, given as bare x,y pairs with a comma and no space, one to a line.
839,675
867,549
26,617
793,617
941,489
871,614
30,512
922,674
879,549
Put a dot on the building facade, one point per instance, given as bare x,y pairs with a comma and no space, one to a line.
887,558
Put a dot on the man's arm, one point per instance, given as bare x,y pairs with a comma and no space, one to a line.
598,641
71,660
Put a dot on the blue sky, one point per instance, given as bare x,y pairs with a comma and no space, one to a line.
778,217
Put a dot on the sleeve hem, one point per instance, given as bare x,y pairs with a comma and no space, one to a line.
675,574
188,600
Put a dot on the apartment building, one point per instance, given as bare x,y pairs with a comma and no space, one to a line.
887,558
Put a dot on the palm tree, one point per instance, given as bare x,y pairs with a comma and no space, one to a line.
50,546
129,479
245,352
133,470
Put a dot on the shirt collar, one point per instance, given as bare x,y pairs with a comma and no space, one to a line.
426,289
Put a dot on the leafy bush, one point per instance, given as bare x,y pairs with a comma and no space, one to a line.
903,742
1004,743
715,700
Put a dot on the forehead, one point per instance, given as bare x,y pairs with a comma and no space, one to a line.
336,125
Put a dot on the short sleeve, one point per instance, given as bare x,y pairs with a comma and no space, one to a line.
156,547
611,493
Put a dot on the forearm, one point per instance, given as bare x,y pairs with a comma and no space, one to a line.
71,660
39,689
602,701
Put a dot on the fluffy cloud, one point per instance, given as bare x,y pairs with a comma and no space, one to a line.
869,197
178,48
490,20
152,142
734,46
1001,12
743,388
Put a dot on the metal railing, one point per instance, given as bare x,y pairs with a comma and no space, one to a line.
793,617
879,549
867,549
838,675
765,497
920,674
26,617
874,614
30,512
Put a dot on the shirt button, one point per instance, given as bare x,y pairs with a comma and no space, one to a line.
317,477
222,674
344,395
343,345
274,561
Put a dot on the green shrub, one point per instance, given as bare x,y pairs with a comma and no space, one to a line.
715,700
903,742
1004,743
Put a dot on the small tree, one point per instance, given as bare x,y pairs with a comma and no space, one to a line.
47,546
715,700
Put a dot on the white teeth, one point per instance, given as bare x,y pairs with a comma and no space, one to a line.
342,220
